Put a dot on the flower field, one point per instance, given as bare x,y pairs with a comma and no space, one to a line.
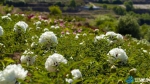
57,50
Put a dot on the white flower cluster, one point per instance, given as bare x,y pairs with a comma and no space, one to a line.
11,73
20,26
1,31
6,18
48,39
110,37
28,57
53,61
76,75
117,54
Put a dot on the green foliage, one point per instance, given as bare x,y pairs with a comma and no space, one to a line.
72,3
119,10
55,10
128,25
128,5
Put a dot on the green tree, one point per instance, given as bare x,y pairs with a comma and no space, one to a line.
55,10
72,3
2,1
128,5
100,1
117,1
105,6
145,32
128,25
91,7
105,1
119,10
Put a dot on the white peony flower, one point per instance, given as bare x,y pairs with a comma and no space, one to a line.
2,45
145,51
54,27
57,27
117,54
70,81
84,34
16,14
99,37
8,14
76,74
82,43
111,33
7,77
46,29
11,73
76,37
1,31
38,28
119,36
134,70
33,45
67,33
28,57
20,26
34,37
6,18
37,24
110,37
53,61
48,39
20,73
22,15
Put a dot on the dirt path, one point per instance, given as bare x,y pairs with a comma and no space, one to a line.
140,6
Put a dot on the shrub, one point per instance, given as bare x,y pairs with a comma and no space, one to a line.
101,19
91,7
128,25
105,6
55,10
108,23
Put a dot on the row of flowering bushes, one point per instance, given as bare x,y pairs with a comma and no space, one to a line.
35,50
